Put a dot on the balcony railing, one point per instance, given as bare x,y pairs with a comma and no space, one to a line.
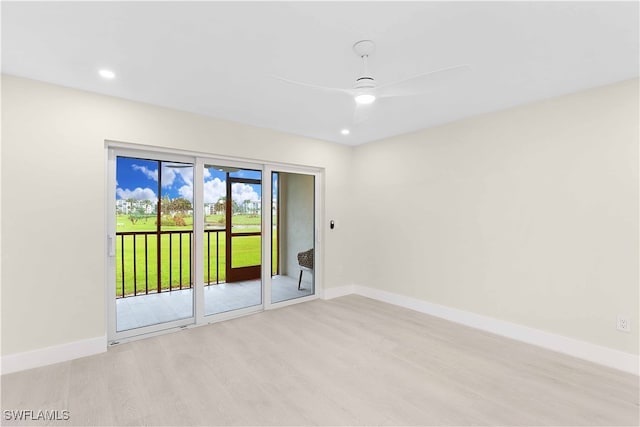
143,266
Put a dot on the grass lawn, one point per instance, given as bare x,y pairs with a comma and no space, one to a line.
175,266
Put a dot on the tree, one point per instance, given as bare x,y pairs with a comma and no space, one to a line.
181,205
136,214
165,205
132,212
147,209
146,204
220,206
178,219
235,208
130,202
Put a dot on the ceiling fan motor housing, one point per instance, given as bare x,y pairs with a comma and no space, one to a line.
365,82
363,49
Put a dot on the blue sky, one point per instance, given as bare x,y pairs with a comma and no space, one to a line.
138,179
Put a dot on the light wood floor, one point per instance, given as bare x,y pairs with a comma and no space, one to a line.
347,361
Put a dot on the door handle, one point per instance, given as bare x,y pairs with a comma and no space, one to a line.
111,247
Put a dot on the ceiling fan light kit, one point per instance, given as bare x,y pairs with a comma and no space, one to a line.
364,98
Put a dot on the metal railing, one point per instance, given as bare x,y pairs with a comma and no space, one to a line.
151,262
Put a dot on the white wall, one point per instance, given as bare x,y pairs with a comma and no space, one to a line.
528,215
53,266
297,220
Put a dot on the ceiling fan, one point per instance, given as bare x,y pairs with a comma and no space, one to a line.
366,90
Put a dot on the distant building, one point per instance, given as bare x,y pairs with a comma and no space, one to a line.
209,208
126,207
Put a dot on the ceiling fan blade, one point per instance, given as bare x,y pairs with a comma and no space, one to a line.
349,92
422,82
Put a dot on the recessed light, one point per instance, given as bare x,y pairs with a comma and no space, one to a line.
345,131
107,74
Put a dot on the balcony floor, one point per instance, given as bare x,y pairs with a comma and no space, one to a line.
145,310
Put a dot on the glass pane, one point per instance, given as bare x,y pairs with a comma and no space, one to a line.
154,240
176,225
215,196
214,256
246,173
293,231
246,251
247,207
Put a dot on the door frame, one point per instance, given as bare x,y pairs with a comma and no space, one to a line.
201,317
237,274
318,277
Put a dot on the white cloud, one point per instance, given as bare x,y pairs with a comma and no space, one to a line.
185,173
149,173
168,174
186,191
214,189
138,194
241,192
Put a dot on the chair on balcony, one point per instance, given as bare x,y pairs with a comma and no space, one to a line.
305,261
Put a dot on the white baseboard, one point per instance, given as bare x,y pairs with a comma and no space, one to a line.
340,291
583,350
55,354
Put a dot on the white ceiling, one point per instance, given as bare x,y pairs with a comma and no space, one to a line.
219,58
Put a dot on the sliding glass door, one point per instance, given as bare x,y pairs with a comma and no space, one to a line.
293,235
152,245
193,240
233,238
